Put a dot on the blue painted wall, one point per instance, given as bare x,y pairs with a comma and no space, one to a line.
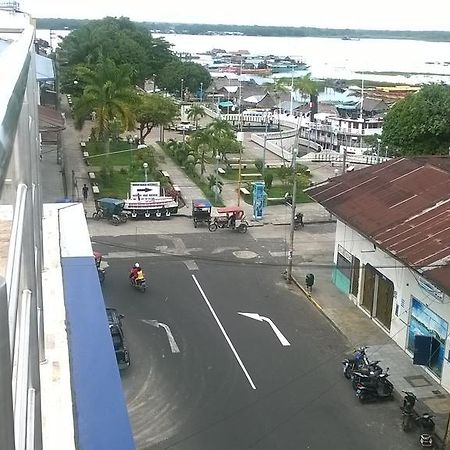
341,281
100,409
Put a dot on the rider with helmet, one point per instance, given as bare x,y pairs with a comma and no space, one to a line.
136,273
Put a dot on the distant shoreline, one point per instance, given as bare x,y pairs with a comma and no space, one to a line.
264,31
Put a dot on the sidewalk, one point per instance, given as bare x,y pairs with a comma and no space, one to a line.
359,329
352,322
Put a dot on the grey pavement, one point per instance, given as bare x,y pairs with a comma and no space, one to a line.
352,322
359,329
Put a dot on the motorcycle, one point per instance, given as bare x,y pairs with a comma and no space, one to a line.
354,362
426,424
139,284
374,387
409,414
298,221
366,371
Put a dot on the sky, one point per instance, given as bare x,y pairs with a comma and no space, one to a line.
358,14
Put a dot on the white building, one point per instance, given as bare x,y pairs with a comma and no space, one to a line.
392,251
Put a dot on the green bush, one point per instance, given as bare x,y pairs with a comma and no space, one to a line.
259,164
268,180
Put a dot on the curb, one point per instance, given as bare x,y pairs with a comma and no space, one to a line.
439,440
310,222
317,305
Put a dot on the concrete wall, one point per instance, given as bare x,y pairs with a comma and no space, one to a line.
407,284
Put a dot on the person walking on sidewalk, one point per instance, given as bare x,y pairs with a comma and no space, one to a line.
85,192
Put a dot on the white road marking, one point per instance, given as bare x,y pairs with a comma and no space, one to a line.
173,345
118,255
278,254
224,333
191,264
278,333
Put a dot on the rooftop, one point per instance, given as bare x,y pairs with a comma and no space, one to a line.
402,205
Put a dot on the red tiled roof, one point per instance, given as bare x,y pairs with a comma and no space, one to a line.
402,205
50,119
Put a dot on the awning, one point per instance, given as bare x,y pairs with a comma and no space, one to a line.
44,68
50,119
226,104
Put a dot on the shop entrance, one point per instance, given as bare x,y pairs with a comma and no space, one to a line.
378,295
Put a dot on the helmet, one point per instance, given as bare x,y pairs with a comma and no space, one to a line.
137,265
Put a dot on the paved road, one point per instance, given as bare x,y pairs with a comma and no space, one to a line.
233,384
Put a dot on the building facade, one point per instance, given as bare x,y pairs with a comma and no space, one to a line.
391,253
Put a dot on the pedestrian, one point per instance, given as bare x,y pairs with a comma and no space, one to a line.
85,192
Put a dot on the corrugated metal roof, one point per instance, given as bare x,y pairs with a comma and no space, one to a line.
403,205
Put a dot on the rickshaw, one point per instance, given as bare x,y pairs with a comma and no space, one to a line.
201,211
111,209
232,217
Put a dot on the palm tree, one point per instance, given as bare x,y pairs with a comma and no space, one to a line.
220,130
108,93
195,113
310,87
202,141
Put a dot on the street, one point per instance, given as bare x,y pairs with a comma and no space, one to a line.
224,355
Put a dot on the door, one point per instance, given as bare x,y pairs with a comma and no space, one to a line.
369,288
385,297
355,276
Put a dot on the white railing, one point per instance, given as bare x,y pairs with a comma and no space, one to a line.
21,290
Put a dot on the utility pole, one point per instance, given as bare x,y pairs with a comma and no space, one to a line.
264,147
291,234
344,159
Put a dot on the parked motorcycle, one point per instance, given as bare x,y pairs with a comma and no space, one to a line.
366,371
409,414
298,221
374,387
426,424
354,362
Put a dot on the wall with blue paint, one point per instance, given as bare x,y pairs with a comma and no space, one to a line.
100,411
341,281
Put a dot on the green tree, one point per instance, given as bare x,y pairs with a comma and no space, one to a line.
107,93
309,87
214,181
154,110
195,113
419,123
118,39
191,73
202,142
268,180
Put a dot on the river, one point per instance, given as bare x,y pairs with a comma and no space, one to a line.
420,61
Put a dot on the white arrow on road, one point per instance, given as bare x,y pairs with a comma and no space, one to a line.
172,343
278,333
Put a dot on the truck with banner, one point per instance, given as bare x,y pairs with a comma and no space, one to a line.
147,199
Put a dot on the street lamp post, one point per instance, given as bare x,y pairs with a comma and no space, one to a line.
216,190
182,90
145,166
154,83
292,228
201,92
378,150
264,148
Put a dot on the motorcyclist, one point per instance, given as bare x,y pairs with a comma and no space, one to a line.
134,272
140,277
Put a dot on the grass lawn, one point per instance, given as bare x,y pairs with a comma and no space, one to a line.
233,174
97,155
